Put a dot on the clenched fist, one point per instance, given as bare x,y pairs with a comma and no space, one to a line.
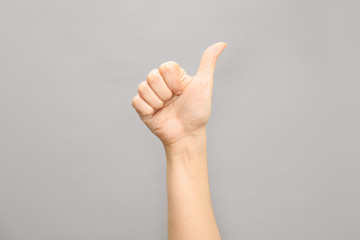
173,104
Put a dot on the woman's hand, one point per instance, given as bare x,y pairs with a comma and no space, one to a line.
174,105
176,108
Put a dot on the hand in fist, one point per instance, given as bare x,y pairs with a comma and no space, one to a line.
174,105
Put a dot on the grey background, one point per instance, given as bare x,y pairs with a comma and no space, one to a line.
77,162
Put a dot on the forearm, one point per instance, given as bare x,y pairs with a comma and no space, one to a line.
190,212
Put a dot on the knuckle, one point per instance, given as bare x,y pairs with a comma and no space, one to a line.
134,101
152,80
172,64
167,66
154,72
153,76
142,87
163,67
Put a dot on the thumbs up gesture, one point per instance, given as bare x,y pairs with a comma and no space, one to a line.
174,105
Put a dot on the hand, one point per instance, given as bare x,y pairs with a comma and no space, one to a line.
174,105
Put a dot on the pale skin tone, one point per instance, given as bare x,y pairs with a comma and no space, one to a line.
176,108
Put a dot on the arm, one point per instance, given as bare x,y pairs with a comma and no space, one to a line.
190,212
176,108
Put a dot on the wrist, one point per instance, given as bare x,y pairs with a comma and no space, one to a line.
191,145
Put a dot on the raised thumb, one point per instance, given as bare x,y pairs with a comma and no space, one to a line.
208,59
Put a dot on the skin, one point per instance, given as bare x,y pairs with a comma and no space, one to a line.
176,108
